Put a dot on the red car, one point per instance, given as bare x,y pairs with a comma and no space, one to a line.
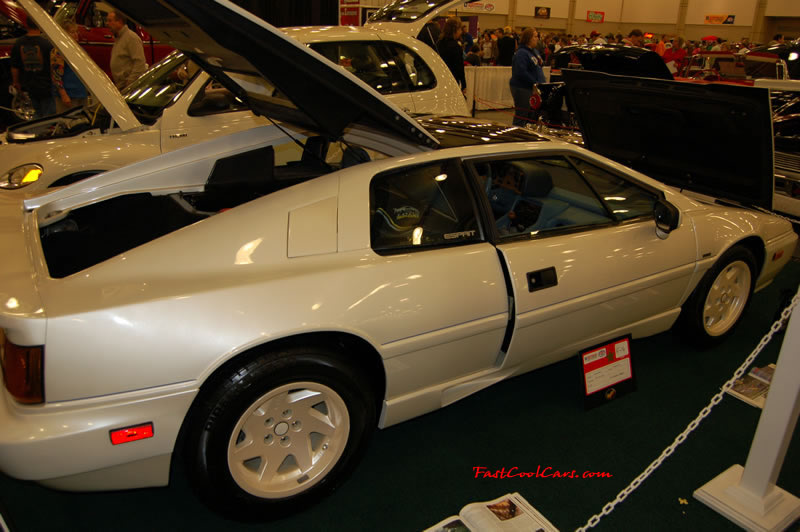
90,15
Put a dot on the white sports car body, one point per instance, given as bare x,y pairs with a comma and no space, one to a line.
175,104
264,318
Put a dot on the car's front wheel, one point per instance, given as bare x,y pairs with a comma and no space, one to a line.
717,304
278,433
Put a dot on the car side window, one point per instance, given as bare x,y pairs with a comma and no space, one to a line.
422,207
623,199
369,62
419,73
214,99
537,195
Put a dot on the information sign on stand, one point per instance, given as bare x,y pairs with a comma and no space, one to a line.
607,371
349,12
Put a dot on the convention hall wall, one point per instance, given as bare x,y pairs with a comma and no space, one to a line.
755,19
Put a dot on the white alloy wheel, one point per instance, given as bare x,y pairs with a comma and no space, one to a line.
288,440
726,298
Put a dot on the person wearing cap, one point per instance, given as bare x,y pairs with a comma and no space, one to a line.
506,46
596,38
634,38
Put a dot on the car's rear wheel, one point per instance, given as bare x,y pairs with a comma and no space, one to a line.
721,297
278,433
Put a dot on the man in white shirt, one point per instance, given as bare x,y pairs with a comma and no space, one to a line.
127,54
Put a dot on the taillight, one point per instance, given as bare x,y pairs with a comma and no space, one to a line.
23,371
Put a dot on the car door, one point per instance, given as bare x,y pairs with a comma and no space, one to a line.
205,110
581,249
434,292
93,34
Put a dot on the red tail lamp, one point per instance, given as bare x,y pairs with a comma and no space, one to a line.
23,371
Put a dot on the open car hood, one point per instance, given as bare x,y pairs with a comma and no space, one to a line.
277,76
409,16
85,68
715,139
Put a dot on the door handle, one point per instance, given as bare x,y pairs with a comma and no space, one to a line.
542,279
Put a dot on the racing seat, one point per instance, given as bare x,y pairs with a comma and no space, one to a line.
241,178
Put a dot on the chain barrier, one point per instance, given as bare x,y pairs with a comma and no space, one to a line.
622,495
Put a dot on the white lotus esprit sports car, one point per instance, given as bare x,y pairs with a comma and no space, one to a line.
265,318
176,104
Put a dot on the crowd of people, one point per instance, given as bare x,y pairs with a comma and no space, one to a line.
496,47
39,70
527,52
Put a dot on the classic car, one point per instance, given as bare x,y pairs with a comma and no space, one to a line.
786,127
176,104
264,318
93,35
731,67
788,52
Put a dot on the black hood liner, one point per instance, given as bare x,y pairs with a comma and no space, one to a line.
613,59
216,36
710,138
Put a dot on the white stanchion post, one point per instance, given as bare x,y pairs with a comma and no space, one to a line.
469,74
748,496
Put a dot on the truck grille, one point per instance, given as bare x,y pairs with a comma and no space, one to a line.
787,163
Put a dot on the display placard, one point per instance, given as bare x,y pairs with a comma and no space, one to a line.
595,16
349,12
607,371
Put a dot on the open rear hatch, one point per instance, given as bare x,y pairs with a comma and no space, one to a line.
410,16
713,139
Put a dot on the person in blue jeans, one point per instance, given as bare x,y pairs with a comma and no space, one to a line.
526,70
70,92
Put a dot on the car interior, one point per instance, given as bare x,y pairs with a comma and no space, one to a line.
524,198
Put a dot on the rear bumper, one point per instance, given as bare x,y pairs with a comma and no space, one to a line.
68,445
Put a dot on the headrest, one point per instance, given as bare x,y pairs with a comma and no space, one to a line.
537,182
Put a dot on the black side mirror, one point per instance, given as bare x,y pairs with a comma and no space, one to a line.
667,218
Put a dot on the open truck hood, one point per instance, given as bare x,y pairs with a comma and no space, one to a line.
86,69
277,76
715,139
409,16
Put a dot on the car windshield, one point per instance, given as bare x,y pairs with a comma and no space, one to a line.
94,17
66,12
160,86
406,10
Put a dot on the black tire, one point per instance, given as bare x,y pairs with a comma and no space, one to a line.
719,301
305,415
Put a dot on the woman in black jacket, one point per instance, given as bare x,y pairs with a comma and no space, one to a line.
450,49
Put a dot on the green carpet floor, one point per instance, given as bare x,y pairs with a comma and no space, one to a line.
421,471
